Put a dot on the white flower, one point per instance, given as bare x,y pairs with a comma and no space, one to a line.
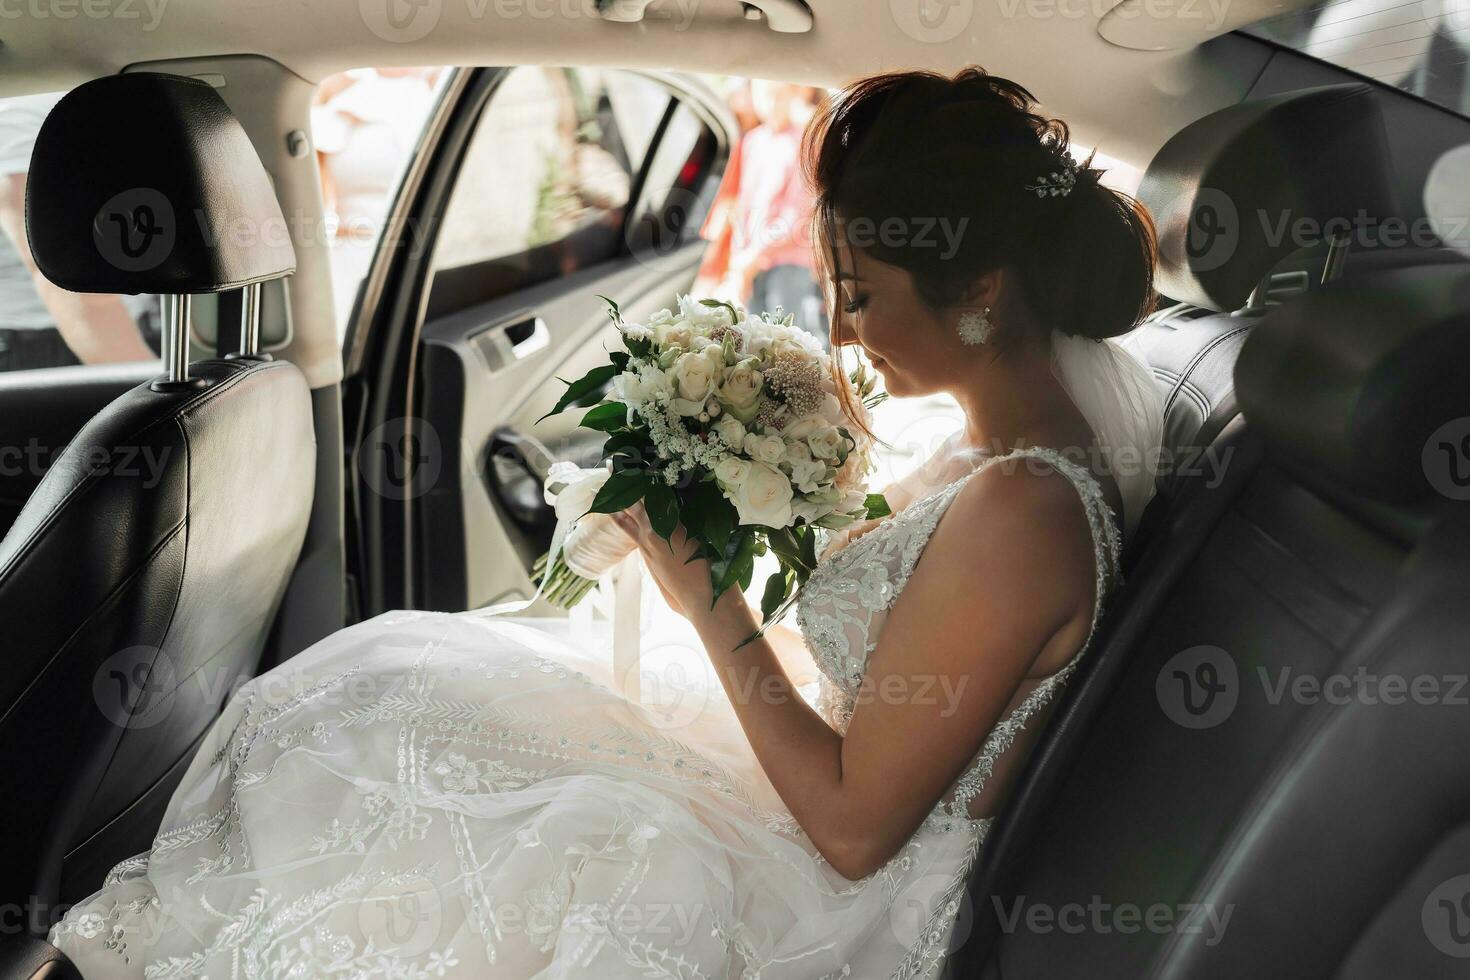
831,409
764,497
636,332
826,442
694,377
729,429
809,475
804,427
647,384
676,333
740,390
766,449
575,498
731,472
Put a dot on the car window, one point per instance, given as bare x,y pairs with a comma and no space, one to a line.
365,124
42,325
547,179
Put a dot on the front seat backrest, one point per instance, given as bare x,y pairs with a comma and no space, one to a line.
139,582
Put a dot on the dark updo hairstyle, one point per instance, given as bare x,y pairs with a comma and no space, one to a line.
916,147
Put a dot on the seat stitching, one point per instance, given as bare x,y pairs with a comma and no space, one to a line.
1194,362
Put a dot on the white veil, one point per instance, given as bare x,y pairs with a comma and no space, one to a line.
1116,393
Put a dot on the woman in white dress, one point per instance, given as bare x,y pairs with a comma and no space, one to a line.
431,795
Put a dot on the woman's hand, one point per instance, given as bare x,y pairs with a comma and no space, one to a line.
685,585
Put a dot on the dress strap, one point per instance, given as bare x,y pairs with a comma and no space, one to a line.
1107,549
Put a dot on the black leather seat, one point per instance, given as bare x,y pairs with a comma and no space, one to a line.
139,582
1228,787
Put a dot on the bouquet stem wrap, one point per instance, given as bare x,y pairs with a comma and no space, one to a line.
591,545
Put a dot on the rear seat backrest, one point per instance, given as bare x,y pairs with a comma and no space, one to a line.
1178,776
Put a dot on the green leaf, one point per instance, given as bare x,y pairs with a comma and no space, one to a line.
607,417
633,443
785,543
808,551
708,516
621,491
737,561
592,384
663,508
877,506
775,592
613,310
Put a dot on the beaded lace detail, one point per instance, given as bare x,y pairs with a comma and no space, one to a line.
840,607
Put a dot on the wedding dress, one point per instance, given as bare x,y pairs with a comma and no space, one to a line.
430,795
461,795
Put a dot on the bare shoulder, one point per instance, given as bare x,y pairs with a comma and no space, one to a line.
1022,529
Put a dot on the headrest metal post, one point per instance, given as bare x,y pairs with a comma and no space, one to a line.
1337,249
250,320
176,337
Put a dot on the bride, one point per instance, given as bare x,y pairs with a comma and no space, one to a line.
435,795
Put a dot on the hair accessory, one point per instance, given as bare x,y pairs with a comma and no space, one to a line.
1058,183
975,327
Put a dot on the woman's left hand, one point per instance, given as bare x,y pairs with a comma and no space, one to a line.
685,585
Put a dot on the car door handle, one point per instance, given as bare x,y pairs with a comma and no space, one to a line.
527,336
504,344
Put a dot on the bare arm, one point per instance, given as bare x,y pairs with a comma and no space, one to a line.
96,326
935,685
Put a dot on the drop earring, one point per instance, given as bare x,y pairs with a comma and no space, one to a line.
975,326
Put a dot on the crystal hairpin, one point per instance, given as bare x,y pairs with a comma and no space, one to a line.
1058,183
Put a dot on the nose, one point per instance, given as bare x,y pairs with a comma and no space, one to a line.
843,334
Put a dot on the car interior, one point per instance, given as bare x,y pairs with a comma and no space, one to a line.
272,477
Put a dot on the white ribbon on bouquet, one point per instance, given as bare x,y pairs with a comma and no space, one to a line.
592,545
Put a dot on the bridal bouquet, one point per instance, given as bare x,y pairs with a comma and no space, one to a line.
726,422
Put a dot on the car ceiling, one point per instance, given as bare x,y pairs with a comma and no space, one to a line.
1125,101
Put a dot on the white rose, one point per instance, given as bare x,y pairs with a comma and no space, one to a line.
731,471
831,410
674,334
804,427
660,317
740,391
731,431
826,443
694,377
764,497
766,449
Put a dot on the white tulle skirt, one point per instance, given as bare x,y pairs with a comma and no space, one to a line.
425,795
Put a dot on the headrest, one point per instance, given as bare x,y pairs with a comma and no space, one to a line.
1235,192
146,183
1367,383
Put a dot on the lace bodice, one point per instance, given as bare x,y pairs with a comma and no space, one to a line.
847,598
